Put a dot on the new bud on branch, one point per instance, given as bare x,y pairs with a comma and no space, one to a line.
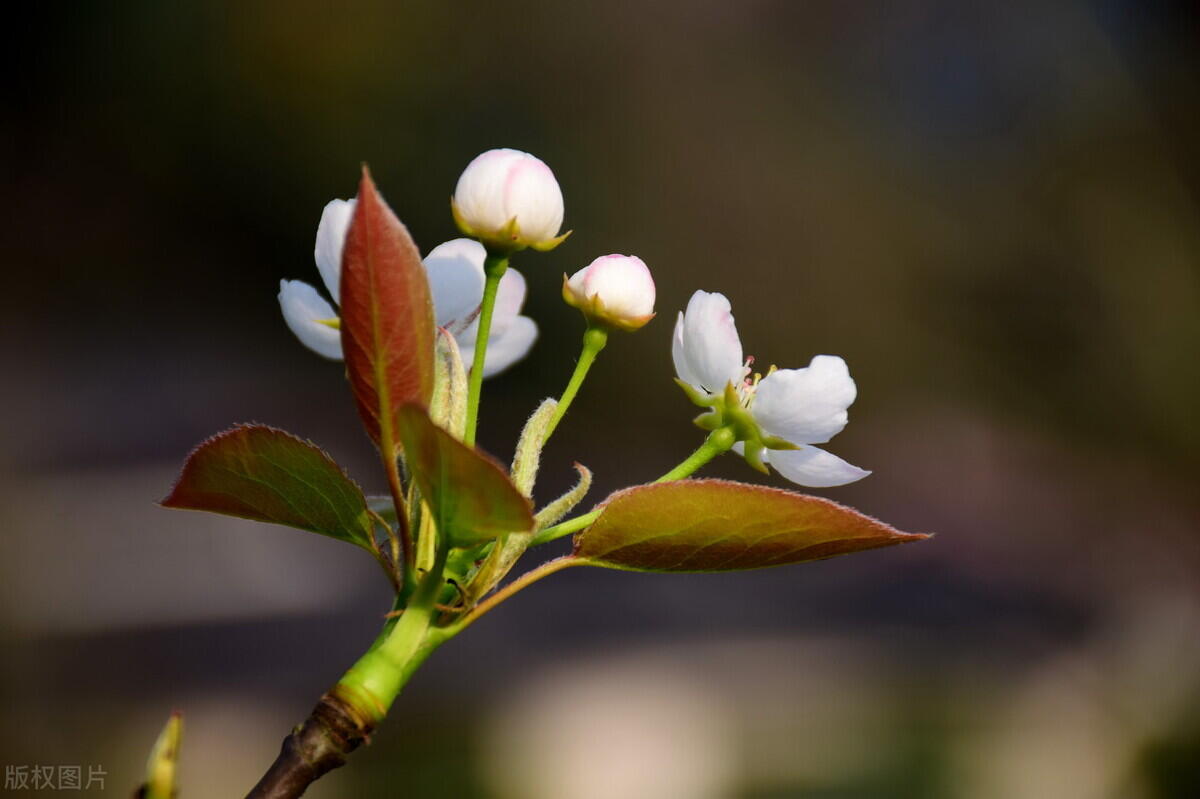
509,200
617,290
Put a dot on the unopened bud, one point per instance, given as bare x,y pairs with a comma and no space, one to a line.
617,290
509,200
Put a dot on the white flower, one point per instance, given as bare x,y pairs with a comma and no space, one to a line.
509,200
798,406
455,272
617,289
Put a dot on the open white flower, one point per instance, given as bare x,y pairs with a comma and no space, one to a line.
787,407
455,272
510,200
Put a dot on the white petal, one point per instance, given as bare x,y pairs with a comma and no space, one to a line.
811,466
302,309
710,342
331,239
805,406
683,369
510,297
480,190
535,199
455,271
505,350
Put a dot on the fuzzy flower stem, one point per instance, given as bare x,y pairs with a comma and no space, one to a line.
494,268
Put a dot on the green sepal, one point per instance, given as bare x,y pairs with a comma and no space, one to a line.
460,222
504,241
730,396
697,398
752,451
550,244
595,312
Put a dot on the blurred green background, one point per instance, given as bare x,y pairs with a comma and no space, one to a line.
989,209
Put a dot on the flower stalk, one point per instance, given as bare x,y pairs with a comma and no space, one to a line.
594,339
494,268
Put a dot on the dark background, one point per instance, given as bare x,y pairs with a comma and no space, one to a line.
989,209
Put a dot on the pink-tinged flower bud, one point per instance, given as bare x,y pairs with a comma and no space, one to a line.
617,290
509,200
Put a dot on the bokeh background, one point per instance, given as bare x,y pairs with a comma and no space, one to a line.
989,209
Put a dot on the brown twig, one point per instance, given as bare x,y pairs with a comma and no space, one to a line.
331,732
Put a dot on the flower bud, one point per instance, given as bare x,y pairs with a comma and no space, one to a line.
615,289
509,200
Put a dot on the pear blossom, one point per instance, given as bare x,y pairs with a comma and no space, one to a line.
509,200
615,289
455,273
777,417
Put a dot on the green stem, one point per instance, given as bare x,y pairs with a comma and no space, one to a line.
565,528
373,682
594,339
494,267
346,716
403,557
718,441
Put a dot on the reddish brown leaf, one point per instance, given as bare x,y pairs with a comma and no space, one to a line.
387,316
267,475
720,525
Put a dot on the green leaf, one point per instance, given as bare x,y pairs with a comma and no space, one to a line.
719,525
268,475
387,316
471,497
